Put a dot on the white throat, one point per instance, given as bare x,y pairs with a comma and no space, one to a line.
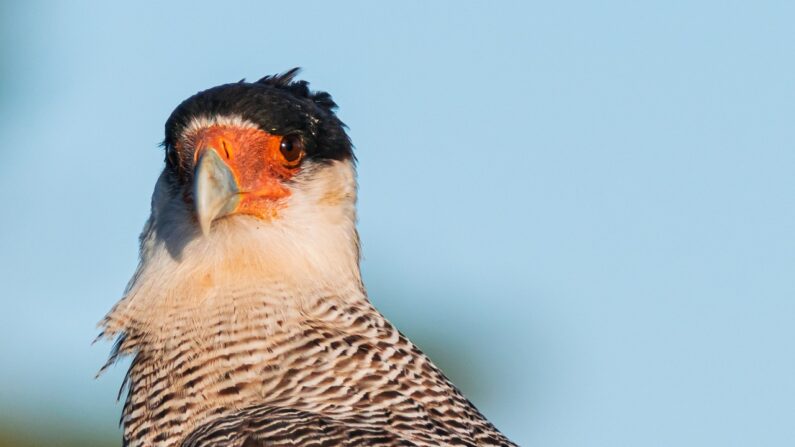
312,245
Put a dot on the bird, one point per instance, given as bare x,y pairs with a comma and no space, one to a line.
246,321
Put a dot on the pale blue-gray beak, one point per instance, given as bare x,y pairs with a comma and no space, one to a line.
215,190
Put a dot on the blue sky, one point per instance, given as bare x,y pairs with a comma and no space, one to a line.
583,211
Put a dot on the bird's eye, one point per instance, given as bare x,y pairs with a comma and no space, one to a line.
292,149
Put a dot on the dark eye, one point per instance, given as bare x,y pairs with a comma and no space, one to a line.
292,149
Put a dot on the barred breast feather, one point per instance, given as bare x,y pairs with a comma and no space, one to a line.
334,372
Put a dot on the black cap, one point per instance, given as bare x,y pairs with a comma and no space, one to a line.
276,104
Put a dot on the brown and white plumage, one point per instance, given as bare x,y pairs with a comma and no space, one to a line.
247,319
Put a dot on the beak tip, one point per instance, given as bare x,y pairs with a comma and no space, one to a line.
215,190
204,226
204,216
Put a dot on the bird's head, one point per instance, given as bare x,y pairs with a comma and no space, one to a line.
259,178
256,150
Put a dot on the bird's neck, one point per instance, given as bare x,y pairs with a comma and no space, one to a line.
311,245
244,283
243,262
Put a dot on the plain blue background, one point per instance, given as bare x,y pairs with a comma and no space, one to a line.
583,211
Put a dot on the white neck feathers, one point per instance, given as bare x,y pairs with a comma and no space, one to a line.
312,245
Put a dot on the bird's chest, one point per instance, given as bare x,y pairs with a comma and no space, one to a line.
194,376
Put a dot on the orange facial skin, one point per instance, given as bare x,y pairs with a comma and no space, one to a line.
255,159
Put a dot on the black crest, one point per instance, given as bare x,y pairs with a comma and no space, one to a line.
277,104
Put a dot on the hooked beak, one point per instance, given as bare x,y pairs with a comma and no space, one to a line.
215,189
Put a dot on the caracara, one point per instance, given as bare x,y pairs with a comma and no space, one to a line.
247,320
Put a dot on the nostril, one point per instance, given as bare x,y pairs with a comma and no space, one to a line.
226,150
